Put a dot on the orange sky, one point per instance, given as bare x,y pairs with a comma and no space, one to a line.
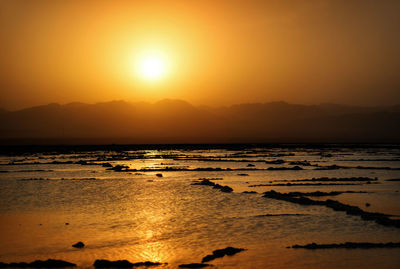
218,52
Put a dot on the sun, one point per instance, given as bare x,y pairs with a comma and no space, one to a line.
152,67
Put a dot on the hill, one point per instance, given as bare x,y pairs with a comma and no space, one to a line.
176,121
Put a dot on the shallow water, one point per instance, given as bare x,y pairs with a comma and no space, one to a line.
138,216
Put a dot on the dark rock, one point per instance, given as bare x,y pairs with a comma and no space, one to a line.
362,245
333,179
223,188
38,264
118,168
393,179
320,193
275,162
243,175
367,204
285,168
219,253
337,206
303,163
78,245
147,264
250,165
205,182
289,184
226,189
159,175
330,167
112,264
212,178
107,165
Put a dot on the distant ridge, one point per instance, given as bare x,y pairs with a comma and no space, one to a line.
177,121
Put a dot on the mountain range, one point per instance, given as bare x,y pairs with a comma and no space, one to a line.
176,121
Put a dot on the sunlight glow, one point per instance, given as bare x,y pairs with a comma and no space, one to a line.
152,67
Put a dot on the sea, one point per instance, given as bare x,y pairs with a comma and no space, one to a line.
166,204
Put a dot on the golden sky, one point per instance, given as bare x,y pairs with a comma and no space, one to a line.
213,52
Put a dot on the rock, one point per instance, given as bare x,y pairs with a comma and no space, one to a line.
275,162
250,165
78,245
107,165
363,245
159,175
337,206
330,167
118,168
303,163
367,204
38,264
114,264
212,178
223,188
205,182
285,168
219,253
393,179
334,179
243,175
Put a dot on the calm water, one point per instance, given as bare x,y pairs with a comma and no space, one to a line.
139,216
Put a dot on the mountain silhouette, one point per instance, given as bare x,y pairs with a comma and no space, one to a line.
176,121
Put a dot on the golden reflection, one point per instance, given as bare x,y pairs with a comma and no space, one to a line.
155,252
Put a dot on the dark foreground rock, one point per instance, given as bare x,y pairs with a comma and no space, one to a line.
211,178
79,245
349,245
38,264
122,264
379,218
289,184
119,168
275,162
285,168
334,179
207,182
219,253
194,265
321,193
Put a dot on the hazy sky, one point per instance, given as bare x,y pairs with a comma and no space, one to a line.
214,52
